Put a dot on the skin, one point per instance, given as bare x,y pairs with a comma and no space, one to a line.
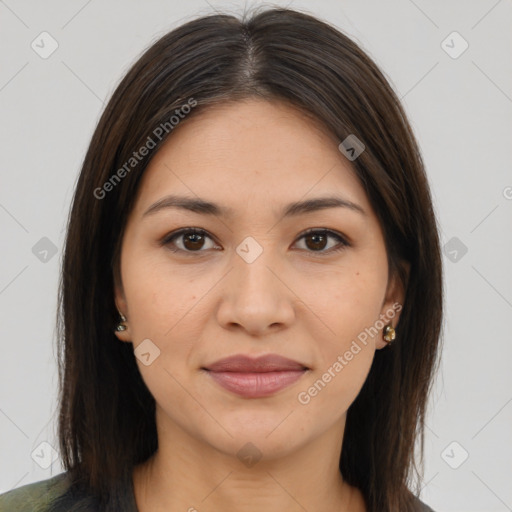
298,299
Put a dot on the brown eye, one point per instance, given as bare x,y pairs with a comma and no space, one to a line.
187,240
190,240
193,241
317,240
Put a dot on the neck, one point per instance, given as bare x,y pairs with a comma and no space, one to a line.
188,474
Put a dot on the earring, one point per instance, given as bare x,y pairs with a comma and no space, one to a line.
121,326
389,334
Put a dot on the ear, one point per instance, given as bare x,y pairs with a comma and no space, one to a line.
122,307
393,301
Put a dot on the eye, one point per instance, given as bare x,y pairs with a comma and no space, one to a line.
316,240
189,240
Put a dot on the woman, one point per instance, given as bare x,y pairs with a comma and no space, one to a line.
251,289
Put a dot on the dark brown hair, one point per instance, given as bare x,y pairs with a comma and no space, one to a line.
107,415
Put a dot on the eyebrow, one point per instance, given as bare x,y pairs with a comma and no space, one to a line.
203,207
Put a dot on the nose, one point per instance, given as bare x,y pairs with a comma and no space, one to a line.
256,297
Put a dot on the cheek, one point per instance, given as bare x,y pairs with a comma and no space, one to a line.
349,303
335,383
349,307
157,295
345,355
165,307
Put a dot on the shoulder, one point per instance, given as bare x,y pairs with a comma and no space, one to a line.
34,497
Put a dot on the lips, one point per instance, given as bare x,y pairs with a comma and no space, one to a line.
255,378
262,364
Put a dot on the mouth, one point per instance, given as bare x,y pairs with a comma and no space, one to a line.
255,378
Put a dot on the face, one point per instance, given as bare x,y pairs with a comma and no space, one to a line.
311,285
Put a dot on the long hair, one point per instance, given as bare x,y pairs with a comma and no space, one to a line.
107,415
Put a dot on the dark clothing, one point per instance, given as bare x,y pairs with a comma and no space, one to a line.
38,496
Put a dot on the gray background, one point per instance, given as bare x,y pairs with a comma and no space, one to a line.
460,110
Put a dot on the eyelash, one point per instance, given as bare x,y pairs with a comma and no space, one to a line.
169,239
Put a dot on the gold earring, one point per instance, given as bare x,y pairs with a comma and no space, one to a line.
121,326
389,334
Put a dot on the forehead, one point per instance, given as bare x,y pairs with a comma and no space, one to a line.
250,153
